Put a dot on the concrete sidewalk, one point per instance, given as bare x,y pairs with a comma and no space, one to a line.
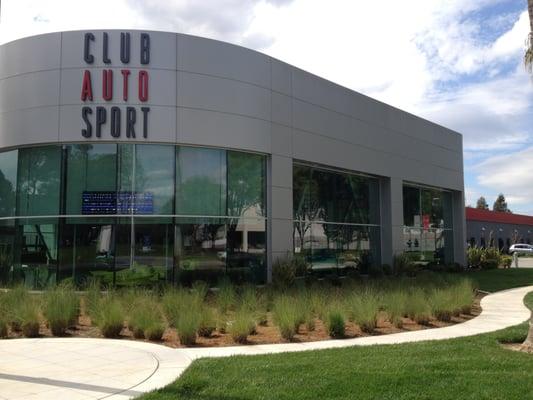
122,369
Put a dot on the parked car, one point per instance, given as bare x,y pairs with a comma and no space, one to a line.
521,248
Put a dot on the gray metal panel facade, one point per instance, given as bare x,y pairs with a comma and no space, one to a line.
209,93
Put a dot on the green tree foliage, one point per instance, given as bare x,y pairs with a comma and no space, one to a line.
482,204
500,204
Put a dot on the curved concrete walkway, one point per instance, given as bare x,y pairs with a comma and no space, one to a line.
122,369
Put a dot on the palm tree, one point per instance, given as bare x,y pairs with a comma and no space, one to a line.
528,60
528,57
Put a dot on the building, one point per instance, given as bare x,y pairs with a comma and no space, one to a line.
142,157
486,228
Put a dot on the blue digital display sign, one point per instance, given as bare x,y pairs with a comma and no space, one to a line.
110,203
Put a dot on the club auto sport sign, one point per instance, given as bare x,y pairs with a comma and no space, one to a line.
99,120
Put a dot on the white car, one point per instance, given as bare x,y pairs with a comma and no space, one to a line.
521,248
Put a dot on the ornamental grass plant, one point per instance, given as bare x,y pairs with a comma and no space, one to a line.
13,300
243,325
4,320
185,310
363,309
418,307
188,322
110,316
285,316
395,306
61,308
145,318
335,322
208,321
226,296
442,304
464,295
27,314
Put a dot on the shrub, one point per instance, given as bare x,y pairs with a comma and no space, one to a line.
188,323
184,311
506,261
61,309
28,317
155,331
335,323
387,269
145,316
363,309
222,322
226,296
283,273
92,298
3,328
208,321
463,294
454,267
299,264
318,302
286,316
442,304
490,263
395,305
403,264
13,300
376,271
242,326
110,317
418,308
475,257
248,298
172,302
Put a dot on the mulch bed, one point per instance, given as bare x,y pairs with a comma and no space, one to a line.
265,334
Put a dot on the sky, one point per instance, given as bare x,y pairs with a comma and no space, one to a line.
458,63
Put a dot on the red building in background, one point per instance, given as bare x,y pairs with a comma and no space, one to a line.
485,228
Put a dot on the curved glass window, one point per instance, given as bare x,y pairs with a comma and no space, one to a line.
200,181
131,214
38,181
8,183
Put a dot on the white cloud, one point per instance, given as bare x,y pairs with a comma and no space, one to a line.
510,173
429,57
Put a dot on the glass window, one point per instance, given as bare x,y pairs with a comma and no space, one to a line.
36,251
246,185
328,196
152,253
200,181
8,183
91,171
154,179
113,196
245,252
411,206
428,237
339,248
331,212
200,249
38,181
7,254
87,251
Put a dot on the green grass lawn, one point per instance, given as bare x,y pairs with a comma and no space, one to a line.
468,368
500,279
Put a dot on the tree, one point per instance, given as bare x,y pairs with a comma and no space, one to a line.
500,204
528,57
482,204
528,61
